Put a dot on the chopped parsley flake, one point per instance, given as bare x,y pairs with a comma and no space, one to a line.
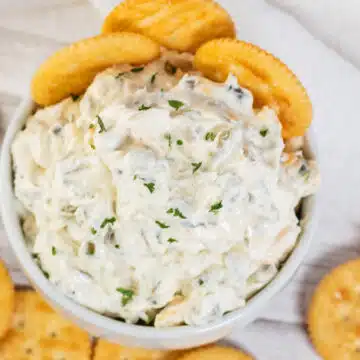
161,224
135,177
176,104
144,107
53,250
107,221
170,211
90,250
216,207
91,126
117,246
101,124
179,142
171,240
264,132
35,256
127,295
153,78
93,146
74,97
137,69
170,68
150,186
176,212
201,282
46,274
119,75
168,138
196,166
93,230
210,136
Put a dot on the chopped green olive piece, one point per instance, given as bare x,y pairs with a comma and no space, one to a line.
90,250
170,68
210,136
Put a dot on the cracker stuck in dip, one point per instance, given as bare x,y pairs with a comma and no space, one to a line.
159,195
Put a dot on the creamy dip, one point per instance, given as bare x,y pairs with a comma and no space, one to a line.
159,196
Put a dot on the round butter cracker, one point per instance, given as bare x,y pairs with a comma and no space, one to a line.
271,82
215,353
176,24
334,314
7,299
70,70
39,333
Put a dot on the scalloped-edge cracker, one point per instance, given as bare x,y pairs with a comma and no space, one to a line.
176,24
39,333
334,313
105,350
215,352
7,299
271,82
70,70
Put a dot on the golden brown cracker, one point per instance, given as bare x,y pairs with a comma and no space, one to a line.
270,81
39,333
7,299
70,70
105,350
215,353
334,313
176,24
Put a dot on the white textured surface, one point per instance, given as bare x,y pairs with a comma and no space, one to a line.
27,36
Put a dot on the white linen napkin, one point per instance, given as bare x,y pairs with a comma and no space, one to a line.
336,22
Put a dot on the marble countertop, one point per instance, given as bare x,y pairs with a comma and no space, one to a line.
27,36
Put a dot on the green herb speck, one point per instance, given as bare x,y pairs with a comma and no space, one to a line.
119,75
196,166
201,282
150,186
178,213
137,69
135,177
179,142
107,221
117,246
91,126
101,124
176,104
93,230
46,274
144,107
264,132
127,295
168,138
53,250
171,240
153,78
216,207
170,211
162,225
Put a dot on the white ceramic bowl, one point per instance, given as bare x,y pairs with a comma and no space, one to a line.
127,334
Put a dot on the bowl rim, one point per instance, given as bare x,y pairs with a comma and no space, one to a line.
107,324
